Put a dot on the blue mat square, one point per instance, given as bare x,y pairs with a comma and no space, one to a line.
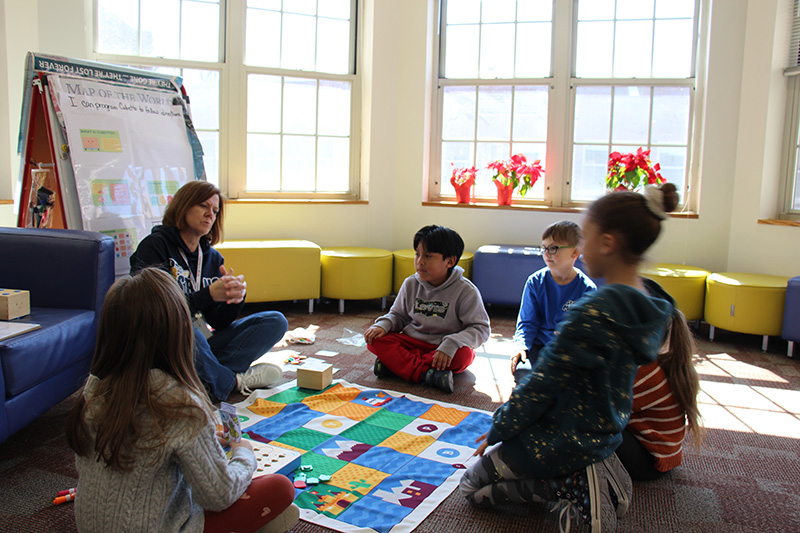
383,459
374,513
407,407
472,427
290,417
427,471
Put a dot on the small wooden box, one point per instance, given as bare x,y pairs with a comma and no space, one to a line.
315,377
14,303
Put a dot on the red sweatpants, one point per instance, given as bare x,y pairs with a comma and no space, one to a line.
410,358
265,498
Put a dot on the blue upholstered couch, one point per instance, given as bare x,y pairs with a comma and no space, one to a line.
68,273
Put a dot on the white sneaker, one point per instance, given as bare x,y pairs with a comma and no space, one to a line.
282,522
259,376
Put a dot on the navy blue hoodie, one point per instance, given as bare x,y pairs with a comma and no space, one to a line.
162,249
569,412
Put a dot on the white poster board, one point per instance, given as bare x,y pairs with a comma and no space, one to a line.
130,152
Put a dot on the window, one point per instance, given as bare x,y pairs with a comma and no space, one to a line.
790,198
276,123
566,82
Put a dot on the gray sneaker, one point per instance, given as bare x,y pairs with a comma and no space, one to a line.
441,379
585,495
259,376
603,515
620,484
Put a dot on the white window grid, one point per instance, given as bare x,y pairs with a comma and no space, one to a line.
789,202
557,180
229,170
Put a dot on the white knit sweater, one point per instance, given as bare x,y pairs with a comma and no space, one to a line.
164,492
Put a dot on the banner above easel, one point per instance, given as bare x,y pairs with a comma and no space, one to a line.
120,141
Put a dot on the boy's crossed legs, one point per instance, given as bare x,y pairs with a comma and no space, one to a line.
411,359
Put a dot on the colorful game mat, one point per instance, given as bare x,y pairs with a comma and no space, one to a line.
372,459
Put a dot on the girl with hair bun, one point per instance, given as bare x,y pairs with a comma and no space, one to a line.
557,433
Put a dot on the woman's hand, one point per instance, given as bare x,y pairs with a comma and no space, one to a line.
375,332
228,288
482,447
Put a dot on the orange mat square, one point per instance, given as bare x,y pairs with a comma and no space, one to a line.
324,403
408,444
356,478
448,415
354,411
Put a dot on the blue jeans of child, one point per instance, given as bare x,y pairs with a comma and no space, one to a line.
231,350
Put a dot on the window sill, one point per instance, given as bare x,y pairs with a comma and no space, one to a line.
534,208
777,222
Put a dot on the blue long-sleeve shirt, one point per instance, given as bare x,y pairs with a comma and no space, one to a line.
544,303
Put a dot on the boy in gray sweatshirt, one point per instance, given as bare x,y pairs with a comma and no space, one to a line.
437,320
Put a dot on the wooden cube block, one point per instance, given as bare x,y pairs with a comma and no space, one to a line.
315,377
14,303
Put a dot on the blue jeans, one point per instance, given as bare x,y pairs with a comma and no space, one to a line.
230,351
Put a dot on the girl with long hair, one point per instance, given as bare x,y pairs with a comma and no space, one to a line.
148,455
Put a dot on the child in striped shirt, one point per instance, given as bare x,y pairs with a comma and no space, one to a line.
664,408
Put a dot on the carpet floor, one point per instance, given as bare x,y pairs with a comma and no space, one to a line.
745,477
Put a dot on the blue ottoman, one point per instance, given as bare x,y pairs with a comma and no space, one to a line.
791,314
501,270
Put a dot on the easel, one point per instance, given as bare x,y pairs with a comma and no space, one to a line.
103,148
40,153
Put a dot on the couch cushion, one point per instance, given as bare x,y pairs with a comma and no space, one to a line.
66,335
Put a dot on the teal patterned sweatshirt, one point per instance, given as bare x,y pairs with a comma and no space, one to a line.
569,412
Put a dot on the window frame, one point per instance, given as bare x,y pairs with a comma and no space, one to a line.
790,181
233,76
561,110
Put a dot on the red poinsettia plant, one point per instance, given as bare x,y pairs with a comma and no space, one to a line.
631,172
463,179
517,172
463,176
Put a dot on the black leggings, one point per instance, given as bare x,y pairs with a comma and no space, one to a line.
636,459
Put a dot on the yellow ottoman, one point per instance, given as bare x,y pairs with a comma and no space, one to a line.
353,273
275,270
745,303
687,284
404,266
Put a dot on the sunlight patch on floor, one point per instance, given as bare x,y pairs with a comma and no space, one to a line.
719,417
740,407
768,422
787,399
722,364
492,368
734,395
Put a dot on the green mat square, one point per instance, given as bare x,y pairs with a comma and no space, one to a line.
322,464
323,497
389,419
367,433
303,438
293,395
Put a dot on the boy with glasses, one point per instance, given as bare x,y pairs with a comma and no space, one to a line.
549,293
